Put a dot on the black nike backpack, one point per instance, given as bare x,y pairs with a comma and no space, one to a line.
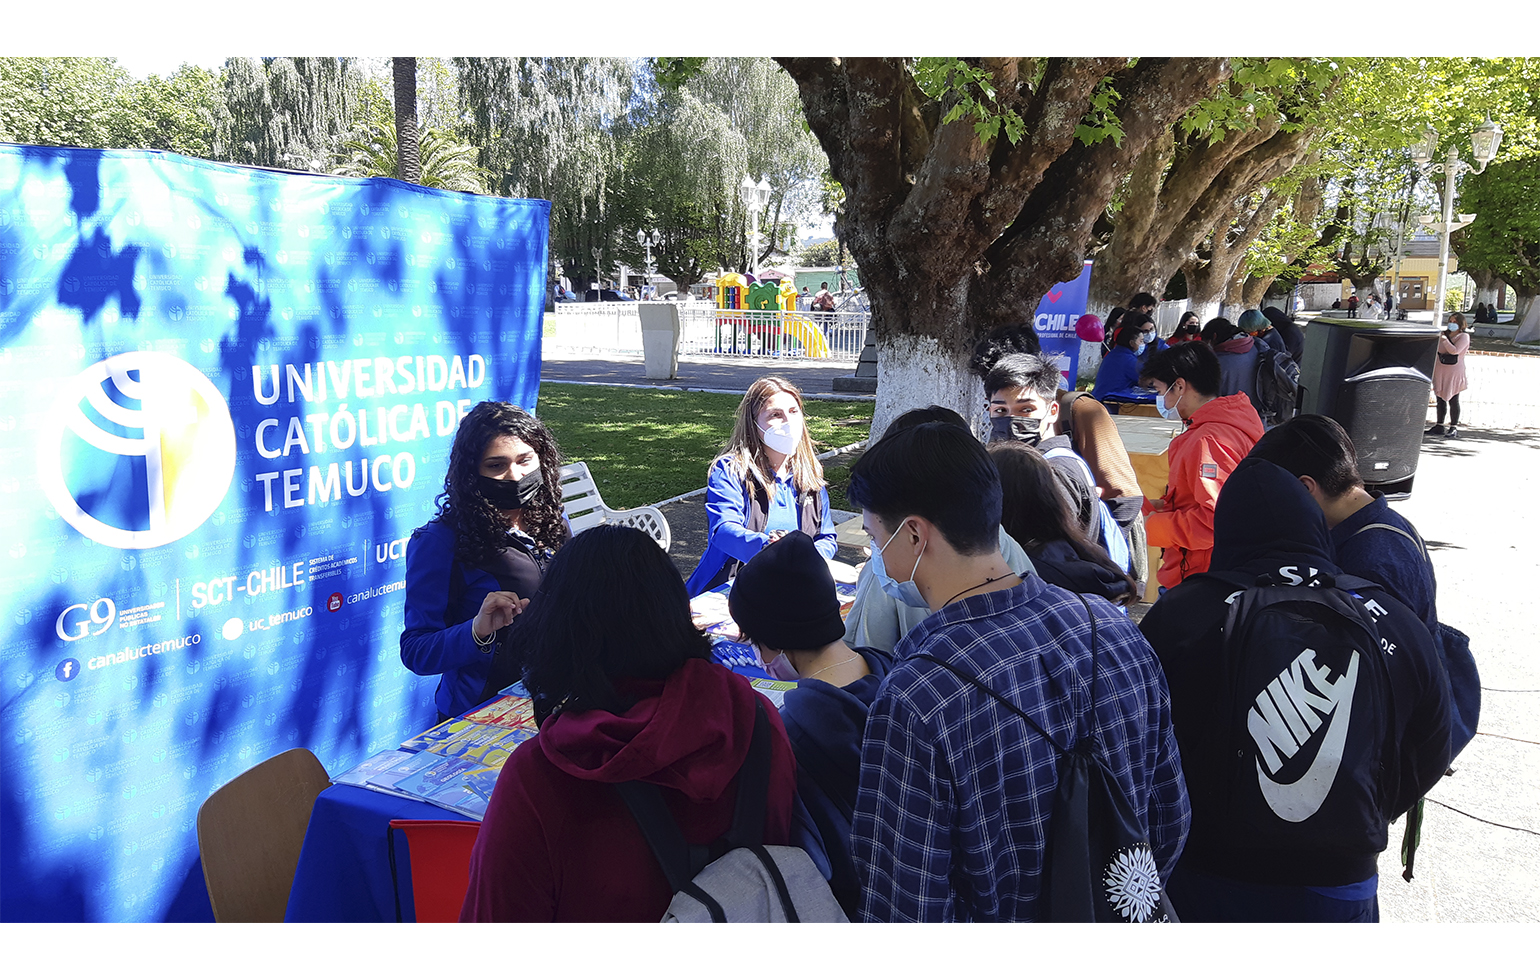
1310,718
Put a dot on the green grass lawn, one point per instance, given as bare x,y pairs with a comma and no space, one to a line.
646,445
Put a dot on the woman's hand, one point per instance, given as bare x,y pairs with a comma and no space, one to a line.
776,536
497,611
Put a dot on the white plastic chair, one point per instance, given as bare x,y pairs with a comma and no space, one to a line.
584,508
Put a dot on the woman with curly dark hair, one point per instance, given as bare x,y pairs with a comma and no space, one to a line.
472,569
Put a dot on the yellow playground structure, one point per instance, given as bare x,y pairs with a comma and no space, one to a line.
768,311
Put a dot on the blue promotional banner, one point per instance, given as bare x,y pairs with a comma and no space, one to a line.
227,396
1055,322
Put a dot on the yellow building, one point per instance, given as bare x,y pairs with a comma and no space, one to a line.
1419,274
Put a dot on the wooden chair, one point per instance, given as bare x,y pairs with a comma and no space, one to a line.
250,833
584,508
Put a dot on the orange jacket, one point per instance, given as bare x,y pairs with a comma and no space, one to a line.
1218,436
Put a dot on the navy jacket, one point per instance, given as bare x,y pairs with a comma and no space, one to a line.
1186,629
442,597
1057,564
1388,558
1119,371
825,724
1293,337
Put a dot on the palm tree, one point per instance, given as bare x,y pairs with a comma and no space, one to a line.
445,162
404,71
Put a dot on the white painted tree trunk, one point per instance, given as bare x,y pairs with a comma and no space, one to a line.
1529,330
1206,310
915,372
1089,362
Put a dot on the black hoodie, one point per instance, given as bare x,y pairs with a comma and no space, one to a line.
1264,522
1057,563
1293,337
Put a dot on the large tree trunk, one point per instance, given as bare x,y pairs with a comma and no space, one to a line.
1254,291
1206,290
1485,281
1176,190
408,164
1529,327
956,236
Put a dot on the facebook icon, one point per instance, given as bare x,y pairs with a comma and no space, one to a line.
67,670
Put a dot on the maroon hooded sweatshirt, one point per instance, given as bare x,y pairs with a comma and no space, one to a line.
558,845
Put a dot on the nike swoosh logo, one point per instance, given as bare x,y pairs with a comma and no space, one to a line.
1298,801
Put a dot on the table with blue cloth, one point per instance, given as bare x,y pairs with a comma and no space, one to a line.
1137,396
344,867
344,872
1131,401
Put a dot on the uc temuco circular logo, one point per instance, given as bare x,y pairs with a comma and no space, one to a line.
138,450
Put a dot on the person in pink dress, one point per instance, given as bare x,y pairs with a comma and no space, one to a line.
1449,375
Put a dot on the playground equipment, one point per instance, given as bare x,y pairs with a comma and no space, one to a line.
766,310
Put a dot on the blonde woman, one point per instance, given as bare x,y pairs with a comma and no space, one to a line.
766,483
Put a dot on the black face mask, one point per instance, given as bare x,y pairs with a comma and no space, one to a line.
511,494
1014,428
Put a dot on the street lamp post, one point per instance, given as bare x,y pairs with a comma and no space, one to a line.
754,197
647,240
1484,143
596,251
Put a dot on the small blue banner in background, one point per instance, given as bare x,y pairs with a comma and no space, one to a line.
1055,323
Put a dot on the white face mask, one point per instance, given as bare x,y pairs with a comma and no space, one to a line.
784,437
1171,412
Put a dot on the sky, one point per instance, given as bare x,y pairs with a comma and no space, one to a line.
145,64
157,35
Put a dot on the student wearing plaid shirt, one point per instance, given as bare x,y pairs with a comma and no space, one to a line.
956,791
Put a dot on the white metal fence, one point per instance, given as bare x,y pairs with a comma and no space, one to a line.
1504,391
706,330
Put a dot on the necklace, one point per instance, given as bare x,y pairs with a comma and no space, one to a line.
970,588
832,666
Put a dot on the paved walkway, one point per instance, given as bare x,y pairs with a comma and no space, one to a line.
1483,546
814,377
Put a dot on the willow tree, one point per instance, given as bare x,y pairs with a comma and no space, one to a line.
679,178
972,186
291,113
551,128
762,106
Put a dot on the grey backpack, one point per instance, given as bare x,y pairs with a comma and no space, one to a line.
737,878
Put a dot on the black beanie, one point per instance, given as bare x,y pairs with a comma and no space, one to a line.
784,598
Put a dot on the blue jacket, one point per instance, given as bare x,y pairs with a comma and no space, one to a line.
825,724
1153,347
442,597
1119,370
1388,558
727,534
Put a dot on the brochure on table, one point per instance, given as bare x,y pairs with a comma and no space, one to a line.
453,764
